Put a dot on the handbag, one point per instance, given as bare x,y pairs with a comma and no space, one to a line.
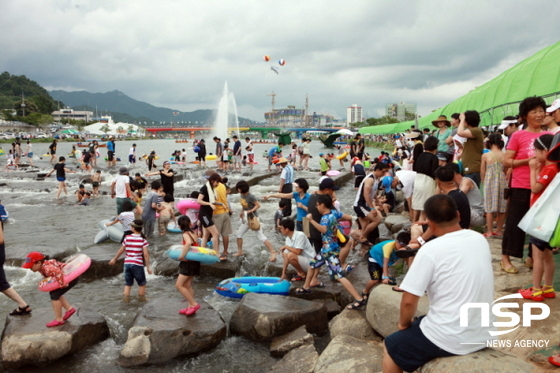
555,239
253,222
542,218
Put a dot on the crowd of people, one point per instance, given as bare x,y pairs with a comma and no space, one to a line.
456,179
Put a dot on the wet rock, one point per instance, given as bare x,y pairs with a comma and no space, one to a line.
160,333
16,256
100,257
351,355
301,360
280,346
353,323
396,221
383,309
487,360
27,341
221,270
261,317
333,308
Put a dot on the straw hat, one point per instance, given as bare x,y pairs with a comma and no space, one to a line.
441,118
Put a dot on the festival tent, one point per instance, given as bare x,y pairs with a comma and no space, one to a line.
537,75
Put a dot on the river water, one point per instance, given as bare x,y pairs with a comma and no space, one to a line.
38,222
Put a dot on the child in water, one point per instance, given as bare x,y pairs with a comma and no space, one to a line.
95,182
136,258
187,268
38,262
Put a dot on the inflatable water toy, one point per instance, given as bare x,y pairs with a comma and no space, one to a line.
333,173
75,266
345,226
199,254
185,204
342,156
173,228
113,232
237,287
211,157
367,164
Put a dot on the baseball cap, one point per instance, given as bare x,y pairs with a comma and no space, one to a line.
328,183
442,156
554,106
321,154
123,171
32,258
387,182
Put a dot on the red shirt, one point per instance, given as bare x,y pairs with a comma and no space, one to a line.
545,177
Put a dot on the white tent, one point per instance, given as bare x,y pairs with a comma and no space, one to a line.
120,128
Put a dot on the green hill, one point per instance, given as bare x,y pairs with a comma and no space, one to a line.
118,102
37,99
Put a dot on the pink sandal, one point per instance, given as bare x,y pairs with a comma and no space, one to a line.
54,323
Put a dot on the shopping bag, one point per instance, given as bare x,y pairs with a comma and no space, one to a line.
541,219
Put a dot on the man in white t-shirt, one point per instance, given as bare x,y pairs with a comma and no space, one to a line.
453,269
120,189
297,250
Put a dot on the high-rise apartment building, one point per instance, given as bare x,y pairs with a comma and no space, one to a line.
400,111
353,114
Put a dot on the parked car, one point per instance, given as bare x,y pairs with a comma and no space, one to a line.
40,136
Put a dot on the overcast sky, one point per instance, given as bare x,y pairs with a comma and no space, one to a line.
178,54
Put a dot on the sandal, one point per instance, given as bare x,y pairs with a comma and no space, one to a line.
365,296
21,311
511,270
407,252
297,278
223,258
349,268
397,289
319,285
303,291
355,305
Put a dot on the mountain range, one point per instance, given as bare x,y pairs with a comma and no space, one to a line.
124,108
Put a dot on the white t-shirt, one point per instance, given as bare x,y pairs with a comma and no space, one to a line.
454,269
120,185
132,151
300,241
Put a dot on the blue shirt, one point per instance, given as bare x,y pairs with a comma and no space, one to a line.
330,241
377,252
272,151
301,213
111,146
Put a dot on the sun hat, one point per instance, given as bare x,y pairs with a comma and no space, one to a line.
506,122
441,118
32,258
412,135
554,106
282,160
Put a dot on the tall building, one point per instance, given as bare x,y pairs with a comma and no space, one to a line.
287,117
72,114
353,114
400,111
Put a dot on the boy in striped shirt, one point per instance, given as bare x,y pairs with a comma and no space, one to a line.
136,258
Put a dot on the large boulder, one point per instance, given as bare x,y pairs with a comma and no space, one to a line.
160,333
100,256
396,222
280,346
353,323
261,317
27,341
300,360
383,309
487,360
350,355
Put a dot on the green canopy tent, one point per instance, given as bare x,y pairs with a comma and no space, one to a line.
537,75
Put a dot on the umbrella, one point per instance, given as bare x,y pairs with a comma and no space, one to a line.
345,131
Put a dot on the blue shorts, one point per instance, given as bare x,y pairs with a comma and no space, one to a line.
30,155
131,158
332,262
61,179
134,272
410,349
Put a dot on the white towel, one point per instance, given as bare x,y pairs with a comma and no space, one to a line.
211,194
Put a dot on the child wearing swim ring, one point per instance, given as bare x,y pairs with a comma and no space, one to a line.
38,262
187,268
